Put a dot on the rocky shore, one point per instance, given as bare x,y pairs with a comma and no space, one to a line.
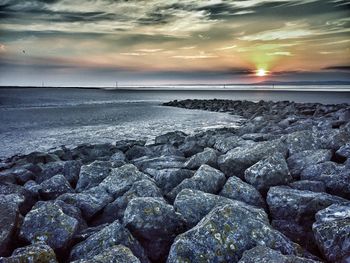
276,189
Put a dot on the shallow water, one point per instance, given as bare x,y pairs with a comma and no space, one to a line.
40,119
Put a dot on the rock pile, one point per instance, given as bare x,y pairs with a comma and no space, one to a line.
276,189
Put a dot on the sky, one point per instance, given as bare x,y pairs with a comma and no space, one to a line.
158,42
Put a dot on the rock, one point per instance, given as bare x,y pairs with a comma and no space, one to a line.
344,151
301,160
164,150
89,202
314,186
88,231
125,145
331,229
256,137
7,177
110,236
137,152
92,175
167,179
57,232
154,223
224,144
333,138
194,205
54,187
224,234
70,170
175,138
92,152
28,197
72,211
115,210
36,253
41,157
9,220
115,254
236,189
268,172
206,179
301,141
190,148
121,179
118,156
208,156
262,254
19,175
313,171
299,206
33,188
237,160
163,162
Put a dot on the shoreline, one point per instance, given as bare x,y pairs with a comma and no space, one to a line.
278,179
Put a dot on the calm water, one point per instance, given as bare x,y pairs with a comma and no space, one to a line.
40,119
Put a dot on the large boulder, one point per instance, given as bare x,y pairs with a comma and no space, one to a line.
301,141
124,145
104,240
9,220
121,179
29,198
89,202
296,205
332,232
262,254
16,175
115,254
175,138
194,205
236,189
344,151
154,223
167,179
206,179
208,156
57,232
237,160
299,161
190,147
226,143
314,186
138,151
115,210
162,162
70,170
224,234
92,152
92,175
54,187
268,172
38,252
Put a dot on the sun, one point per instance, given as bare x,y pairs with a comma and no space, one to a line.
261,72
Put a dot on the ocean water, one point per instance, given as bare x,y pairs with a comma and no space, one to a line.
44,118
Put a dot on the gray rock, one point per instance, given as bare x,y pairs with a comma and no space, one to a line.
33,188
125,145
224,144
121,179
344,151
299,206
333,138
224,234
206,179
164,150
47,222
115,254
29,198
167,179
36,253
118,156
314,186
331,229
313,171
236,189
19,175
72,211
70,170
163,162
9,220
92,175
268,172
208,156
256,137
175,138
137,152
194,205
92,152
154,223
89,202
299,161
301,141
190,148
237,160
110,236
54,187
115,210
262,254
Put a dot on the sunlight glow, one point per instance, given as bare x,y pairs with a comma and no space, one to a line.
261,72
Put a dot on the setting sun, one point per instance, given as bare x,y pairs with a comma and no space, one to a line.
261,72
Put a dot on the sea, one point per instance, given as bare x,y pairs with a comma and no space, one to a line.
40,119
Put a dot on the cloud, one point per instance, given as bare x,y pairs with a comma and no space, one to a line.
194,56
340,68
280,53
226,48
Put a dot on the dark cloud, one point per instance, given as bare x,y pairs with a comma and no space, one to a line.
340,68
